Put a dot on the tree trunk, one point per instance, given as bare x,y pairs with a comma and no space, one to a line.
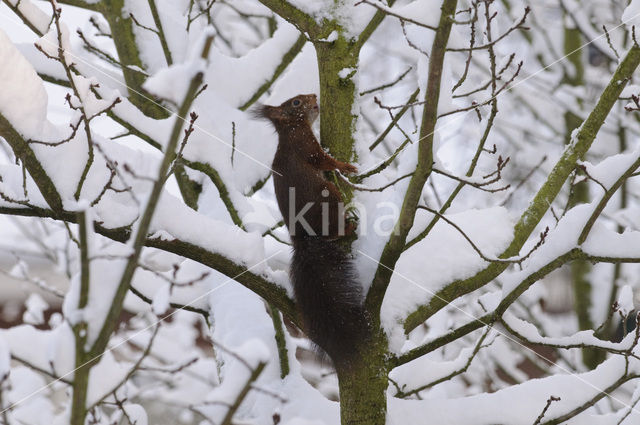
363,389
337,64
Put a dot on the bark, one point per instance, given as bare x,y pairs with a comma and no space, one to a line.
363,388
579,194
337,120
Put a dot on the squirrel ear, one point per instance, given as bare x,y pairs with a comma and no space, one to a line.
271,113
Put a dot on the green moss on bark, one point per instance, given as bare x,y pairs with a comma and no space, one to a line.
363,387
337,61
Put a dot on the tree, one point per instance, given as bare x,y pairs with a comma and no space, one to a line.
502,151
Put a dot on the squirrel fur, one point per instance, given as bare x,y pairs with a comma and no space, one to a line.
327,292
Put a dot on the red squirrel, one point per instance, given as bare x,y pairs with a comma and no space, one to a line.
327,293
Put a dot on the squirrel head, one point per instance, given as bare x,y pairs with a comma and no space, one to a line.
303,107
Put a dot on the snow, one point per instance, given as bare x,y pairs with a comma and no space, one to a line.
150,48
161,299
425,370
300,77
631,15
48,350
36,307
105,278
244,56
157,130
105,377
23,100
346,72
172,83
532,335
518,404
34,14
609,170
5,359
38,410
447,256
629,90
246,249
41,63
559,241
136,413
331,37
625,300
608,243
235,80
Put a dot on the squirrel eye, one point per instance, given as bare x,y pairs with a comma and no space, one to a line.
296,102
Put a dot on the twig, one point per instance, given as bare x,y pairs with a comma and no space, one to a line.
74,130
543,236
160,32
524,179
39,369
615,52
376,189
387,85
411,43
395,119
478,346
140,236
101,53
472,41
387,11
133,18
171,371
517,26
550,400
233,140
149,301
187,133
383,165
243,393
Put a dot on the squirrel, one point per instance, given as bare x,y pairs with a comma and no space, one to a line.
327,293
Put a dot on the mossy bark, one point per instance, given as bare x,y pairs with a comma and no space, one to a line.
362,385
363,388
337,62
579,194
129,55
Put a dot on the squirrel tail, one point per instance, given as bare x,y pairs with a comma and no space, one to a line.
329,297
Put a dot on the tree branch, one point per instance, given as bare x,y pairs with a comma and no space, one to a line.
395,245
140,236
288,57
268,290
542,200
24,153
295,16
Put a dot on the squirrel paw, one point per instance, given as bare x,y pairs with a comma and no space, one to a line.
347,168
350,229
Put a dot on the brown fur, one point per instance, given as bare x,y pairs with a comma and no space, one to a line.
299,163
328,295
